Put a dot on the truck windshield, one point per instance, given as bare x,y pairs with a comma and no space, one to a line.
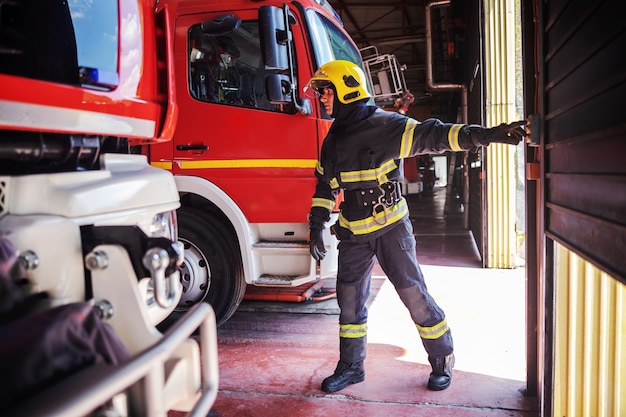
329,42
66,42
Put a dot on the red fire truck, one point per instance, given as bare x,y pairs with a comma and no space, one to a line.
246,142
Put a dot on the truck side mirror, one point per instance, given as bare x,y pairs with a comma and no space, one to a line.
276,48
279,91
274,38
304,106
278,88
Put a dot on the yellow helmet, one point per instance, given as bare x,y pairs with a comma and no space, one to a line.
347,77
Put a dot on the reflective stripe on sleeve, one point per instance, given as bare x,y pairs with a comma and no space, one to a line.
319,168
433,332
453,137
352,331
407,138
323,203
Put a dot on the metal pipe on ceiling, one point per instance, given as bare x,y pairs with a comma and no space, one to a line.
430,83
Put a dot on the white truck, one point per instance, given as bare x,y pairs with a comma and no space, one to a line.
89,221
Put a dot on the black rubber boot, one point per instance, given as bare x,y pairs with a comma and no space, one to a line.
345,374
441,376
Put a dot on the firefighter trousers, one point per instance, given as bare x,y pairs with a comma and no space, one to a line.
395,252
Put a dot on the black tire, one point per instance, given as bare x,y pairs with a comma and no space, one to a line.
212,271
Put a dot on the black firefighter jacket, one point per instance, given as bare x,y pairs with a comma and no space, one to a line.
366,153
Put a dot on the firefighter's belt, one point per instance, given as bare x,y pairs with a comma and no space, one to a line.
387,195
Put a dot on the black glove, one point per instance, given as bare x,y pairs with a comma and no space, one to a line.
316,244
510,134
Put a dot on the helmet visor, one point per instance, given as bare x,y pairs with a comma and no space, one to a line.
315,88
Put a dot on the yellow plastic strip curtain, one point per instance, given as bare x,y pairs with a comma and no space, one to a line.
590,339
500,49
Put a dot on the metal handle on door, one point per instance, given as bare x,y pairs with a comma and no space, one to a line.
192,148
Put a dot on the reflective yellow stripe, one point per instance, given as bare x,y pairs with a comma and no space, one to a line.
358,176
433,332
375,174
407,138
163,165
352,331
249,163
385,169
323,203
334,184
453,137
319,168
371,224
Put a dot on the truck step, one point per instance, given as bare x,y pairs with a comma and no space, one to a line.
311,291
284,264
281,280
273,244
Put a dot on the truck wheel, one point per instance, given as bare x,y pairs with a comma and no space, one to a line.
212,271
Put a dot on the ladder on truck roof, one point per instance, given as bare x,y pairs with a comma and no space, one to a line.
386,76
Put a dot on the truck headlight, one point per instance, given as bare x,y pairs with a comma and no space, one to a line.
165,225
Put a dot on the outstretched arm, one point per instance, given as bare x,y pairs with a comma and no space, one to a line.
511,134
434,136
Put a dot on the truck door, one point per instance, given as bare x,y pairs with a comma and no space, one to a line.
260,152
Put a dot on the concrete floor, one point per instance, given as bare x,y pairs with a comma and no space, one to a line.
273,356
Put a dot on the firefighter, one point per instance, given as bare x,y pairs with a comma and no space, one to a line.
361,155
